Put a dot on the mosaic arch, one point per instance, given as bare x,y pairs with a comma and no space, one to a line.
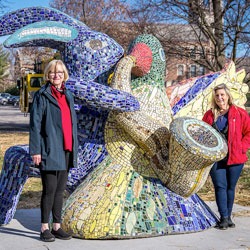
136,164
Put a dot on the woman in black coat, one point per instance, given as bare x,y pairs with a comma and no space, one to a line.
53,144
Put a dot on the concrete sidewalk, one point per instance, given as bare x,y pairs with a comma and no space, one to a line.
23,234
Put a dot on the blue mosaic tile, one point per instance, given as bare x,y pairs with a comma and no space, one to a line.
200,84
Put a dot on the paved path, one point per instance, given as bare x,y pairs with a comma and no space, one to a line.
12,120
23,234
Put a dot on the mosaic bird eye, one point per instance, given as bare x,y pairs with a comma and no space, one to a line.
162,54
95,44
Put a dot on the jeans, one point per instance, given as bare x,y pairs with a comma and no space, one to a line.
225,178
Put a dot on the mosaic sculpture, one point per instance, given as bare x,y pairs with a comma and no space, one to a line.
126,195
127,157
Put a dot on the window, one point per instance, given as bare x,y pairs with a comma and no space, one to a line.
180,70
202,56
193,70
201,71
193,53
208,53
36,82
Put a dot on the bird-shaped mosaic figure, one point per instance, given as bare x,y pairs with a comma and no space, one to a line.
88,56
126,196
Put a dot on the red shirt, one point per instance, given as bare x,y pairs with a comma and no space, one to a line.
65,115
238,133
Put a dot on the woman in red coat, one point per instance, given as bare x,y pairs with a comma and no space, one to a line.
233,123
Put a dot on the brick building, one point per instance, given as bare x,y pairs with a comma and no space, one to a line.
183,64
196,45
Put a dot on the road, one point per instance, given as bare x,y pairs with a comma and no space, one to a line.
12,120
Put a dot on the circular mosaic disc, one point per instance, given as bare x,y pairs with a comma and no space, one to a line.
199,138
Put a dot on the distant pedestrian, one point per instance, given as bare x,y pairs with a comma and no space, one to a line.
53,144
233,123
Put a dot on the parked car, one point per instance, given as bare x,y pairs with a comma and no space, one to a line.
6,95
4,98
15,101
12,99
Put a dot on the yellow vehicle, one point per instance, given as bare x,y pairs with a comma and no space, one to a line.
28,85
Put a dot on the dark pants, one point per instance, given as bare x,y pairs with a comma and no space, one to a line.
54,184
225,178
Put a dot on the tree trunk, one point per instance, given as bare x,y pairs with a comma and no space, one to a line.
219,34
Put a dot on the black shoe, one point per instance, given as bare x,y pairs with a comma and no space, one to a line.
47,236
223,224
230,223
60,234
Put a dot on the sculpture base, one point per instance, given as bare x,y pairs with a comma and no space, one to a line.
115,202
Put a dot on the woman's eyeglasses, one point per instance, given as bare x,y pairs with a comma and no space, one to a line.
59,73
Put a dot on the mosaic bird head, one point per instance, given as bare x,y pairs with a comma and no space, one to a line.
150,61
86,53
141,72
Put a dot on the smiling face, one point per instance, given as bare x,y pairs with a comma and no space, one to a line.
221,98
56,75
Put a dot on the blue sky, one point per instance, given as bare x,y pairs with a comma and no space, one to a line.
19,4
13,5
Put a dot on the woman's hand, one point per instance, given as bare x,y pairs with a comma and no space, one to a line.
36,159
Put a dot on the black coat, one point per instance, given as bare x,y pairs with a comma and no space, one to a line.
46,132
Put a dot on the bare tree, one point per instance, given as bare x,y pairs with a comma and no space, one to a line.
107,16
25,58
186,24
4,66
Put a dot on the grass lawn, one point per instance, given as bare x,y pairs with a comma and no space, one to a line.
30,197
242,193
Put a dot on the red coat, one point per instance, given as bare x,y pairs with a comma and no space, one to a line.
238,133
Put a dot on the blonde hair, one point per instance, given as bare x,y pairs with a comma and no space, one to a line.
53,65
215,108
